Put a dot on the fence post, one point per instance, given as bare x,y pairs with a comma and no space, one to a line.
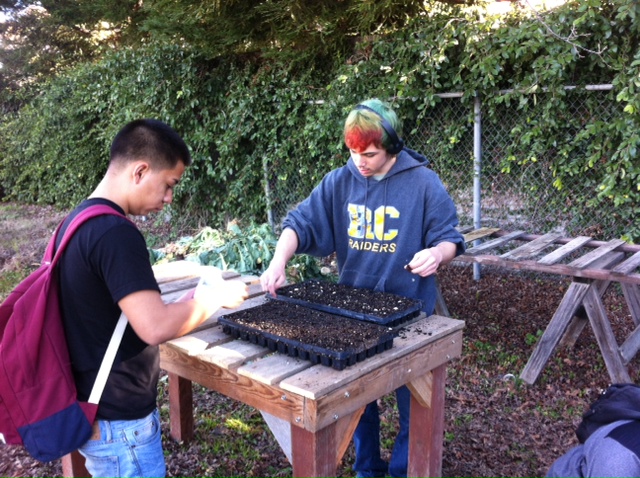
477,171
267,193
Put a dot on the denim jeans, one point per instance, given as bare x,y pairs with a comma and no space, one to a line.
131,448
366,439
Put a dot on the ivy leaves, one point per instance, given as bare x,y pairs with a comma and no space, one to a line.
263,130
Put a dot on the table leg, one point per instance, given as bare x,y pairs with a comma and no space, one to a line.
605,338
180,407
426,428
632,296
631,345
555,330
314,454
580,319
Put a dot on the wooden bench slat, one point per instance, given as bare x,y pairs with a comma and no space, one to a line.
478,233
492,244
596,254
565,250
464,229
559,269
628,265
532,248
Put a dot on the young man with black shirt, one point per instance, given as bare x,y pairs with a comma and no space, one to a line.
106,271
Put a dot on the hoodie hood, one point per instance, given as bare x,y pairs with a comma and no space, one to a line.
417,156
618,402
406,159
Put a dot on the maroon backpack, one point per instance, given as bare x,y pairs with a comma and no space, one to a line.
39,407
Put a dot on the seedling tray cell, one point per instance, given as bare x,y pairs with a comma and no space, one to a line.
309,334
382,308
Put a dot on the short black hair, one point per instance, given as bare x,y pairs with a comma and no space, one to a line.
150,139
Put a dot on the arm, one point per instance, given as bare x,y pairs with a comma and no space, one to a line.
275,276
156,322
427,261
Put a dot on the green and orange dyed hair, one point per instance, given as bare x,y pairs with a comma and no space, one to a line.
363,127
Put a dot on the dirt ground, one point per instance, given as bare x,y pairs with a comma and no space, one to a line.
495,424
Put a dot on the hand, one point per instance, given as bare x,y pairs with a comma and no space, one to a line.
188,295
231,293
273,278
425,262
220,293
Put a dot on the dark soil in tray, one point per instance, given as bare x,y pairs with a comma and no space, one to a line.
363,304
310,334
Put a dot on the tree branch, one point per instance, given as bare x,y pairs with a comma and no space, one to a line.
568,39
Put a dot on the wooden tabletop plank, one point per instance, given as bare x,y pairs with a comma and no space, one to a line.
171,271
478,233
564,250
263,397
273,368
246,278
170,297
232,355
594,255
629,265
172,291
175,278
178,286
255,290
492,244
198,342
532,248
319,380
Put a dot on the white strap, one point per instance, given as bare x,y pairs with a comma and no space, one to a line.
107,361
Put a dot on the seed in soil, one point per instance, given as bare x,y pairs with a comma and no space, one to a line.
310,334
364,304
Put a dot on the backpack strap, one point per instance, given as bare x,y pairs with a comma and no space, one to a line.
51,253
107,360
52,256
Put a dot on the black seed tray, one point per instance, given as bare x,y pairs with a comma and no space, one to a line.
322,338
381,308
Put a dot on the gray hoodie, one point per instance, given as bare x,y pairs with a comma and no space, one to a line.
376,226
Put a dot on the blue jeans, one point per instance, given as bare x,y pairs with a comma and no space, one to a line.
366,439
131,448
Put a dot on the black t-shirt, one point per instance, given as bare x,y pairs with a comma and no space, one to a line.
106,260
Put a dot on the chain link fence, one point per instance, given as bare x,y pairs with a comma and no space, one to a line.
470,149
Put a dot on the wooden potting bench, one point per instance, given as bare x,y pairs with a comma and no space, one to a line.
592,266
312,410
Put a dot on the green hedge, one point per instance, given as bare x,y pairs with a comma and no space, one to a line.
243,116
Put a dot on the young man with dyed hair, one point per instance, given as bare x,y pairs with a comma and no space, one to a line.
382,211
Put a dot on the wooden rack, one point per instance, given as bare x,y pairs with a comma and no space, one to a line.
591,265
